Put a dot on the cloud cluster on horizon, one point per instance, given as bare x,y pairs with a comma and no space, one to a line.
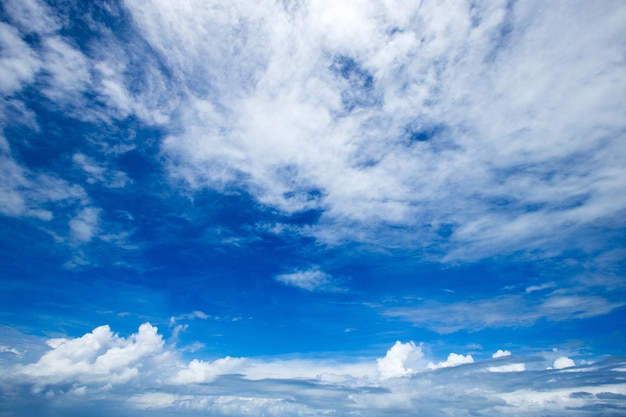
143,374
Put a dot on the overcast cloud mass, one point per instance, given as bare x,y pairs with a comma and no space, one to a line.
307,208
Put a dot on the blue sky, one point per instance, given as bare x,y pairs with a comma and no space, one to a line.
302,208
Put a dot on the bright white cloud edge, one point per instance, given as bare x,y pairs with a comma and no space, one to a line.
144,372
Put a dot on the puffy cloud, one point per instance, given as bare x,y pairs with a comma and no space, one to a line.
501,353
140,372
563,362
100,357
454,359
199,371
401,359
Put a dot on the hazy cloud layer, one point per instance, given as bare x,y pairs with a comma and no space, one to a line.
144,376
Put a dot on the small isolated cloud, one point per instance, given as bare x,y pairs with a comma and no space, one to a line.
99,173
454,359
6,349
85,225
402,359
541,287
197,314
312,279
563,362
501,353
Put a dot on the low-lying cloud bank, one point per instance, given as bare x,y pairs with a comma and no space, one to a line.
102,372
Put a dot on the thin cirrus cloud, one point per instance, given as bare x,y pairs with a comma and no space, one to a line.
502,311
298,140
312,279
303,116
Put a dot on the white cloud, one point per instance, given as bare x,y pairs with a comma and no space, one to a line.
512,367
68,71
98,173
26,194
199,371
18,62
314,107
141,372
190,316
31,16
563,362
325,370
402,359
311,280
7,349
504,311
99,357
454,359
84,226
501,353
541,287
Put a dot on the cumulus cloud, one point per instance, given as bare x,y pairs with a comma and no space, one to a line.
401,359
140,372
454,359
563,362
199,371
100,357
501,353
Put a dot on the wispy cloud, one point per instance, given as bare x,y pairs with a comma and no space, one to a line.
312,279
450,92
502,311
